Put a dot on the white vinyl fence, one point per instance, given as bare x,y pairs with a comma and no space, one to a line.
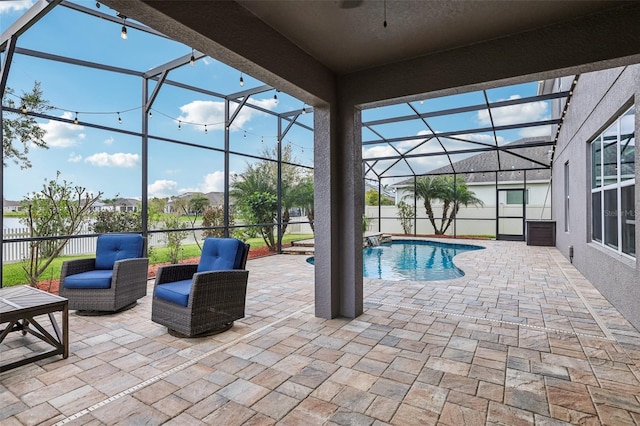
19,250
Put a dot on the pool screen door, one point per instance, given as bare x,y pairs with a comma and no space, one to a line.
511,214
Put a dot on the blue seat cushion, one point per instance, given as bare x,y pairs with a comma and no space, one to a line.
176,292
113,247
220,254
99,278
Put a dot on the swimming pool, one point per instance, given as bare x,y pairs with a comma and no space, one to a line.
414,260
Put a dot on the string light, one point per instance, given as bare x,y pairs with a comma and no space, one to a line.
245,134
275,97
384,24
123,33
205,129
75,120
192,61
304,109
241,80
24,109
150,114
119,119
179,125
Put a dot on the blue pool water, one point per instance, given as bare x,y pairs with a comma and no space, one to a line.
413,260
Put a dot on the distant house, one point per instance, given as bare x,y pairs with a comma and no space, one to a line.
118,205
216,199
483,183
11,206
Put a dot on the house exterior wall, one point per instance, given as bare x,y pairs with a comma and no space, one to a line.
472,220
598,99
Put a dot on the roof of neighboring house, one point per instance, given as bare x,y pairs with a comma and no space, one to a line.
9,203
124,201
487,163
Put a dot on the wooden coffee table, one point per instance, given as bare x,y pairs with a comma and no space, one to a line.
19,306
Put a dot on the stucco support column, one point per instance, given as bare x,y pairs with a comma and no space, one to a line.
339,204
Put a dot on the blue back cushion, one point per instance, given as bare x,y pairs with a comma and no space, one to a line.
220,254
114,247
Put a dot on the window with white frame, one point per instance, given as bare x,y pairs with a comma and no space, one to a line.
613,182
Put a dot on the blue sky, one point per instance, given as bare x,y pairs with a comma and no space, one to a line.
110,162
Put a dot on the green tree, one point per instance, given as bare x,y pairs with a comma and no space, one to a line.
116,221
261,208
213,216
174,237
59,209
302,196
198,203
451,192
20,131
371,199
405,213
262,177
156,208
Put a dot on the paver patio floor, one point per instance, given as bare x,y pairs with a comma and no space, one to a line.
521,339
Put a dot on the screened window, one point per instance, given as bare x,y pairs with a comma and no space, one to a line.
515,196
613,186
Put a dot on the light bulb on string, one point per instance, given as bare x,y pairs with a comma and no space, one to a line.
275,97
119,119
205,129
123,33
23,108
384,24
192,60
304,109
75,120
245,134
241,80
150,114
179,125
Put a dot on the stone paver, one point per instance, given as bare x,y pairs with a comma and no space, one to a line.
522,338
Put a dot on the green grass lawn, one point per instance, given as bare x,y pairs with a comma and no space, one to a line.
13,274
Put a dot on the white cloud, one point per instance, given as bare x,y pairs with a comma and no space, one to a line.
538,131
512,114
119,159
212,113
15,5
62,135
162,188
213,182
73,158
109,140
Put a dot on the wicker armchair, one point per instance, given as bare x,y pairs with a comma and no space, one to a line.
112,281
199,300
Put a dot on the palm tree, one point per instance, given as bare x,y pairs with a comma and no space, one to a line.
428,189
459,195
453,193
